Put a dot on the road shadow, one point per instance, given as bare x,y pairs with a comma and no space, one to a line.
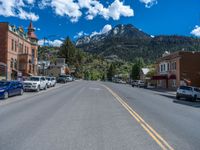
188,103
167,95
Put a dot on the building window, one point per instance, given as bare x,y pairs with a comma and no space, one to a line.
12,44
173,66
15,64
20,48
168,66
15,46
11,63
173,83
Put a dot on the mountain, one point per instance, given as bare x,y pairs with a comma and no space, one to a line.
127,42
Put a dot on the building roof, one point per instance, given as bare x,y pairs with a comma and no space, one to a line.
145,70
31,31
177,55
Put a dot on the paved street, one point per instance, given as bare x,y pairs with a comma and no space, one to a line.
86,115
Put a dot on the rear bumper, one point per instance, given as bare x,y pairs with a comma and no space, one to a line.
180,95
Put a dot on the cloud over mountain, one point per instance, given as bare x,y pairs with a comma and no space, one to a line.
196,31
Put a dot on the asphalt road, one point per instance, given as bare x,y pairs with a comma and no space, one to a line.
88,116
178,122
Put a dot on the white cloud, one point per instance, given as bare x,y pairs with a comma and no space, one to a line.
149,3
30,1
114,10
117,9
73,9
80,34
44,3
15,8
55,43
105,29
67,8
196,31
27,16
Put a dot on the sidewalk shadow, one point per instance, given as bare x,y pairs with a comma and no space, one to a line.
160,90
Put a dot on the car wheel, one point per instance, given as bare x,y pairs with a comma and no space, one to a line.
5,95
195,98
21,92
45,88
38,89
177,97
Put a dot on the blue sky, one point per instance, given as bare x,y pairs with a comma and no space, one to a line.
74,18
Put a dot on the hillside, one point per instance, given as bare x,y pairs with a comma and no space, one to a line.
127,43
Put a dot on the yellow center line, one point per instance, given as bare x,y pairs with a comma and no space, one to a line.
157,137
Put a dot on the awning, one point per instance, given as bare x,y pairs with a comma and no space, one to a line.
161,77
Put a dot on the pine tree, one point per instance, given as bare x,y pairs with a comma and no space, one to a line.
111,72
135,72
68,51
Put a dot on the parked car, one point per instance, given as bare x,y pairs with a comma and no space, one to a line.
69,78
141,83
138,83
134,83
49,84
188,92
51,81
62,79
10,88
35,83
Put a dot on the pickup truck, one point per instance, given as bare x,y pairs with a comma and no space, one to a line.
35,83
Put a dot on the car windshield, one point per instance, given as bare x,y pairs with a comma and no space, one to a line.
49,79
186,88
4,84
34,79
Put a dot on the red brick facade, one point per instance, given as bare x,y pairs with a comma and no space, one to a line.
18,51
180,68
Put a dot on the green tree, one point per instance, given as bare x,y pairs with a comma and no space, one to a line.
68,51
111,72
135,72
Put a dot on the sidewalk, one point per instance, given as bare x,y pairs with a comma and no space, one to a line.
163,91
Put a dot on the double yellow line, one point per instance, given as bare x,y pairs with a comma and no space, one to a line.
158,138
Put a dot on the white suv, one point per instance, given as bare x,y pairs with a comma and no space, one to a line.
35,83
51,81
190,92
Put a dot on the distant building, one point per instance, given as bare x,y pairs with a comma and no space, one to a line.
143,73
53,69
18,50
179,68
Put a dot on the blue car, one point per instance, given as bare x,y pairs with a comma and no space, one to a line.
10,88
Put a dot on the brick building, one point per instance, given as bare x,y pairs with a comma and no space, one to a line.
18,50
179,68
